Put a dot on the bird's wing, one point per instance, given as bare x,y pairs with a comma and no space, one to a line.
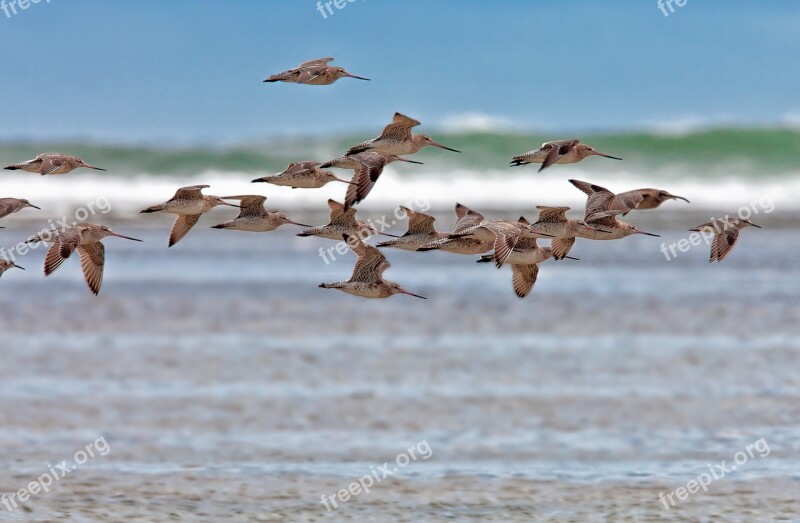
586,187
308,73
554,153
561,247
400,128
190,193
552,214
506,238
370,169
50,164
93,257
183,224
55,256
7,207
419,223
340,216
523,277
723,243
628,201
466,218
371,263
561,143
599,199
317,61
251,204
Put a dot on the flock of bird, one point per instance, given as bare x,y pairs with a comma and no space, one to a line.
499,241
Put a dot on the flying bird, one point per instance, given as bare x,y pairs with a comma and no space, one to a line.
726,232
559,151
601,216
342,221
189,204
420,232
253,217
638,199
367,167
86,238
313,72
8,264
554,221
301,175
367,279
52,163
466,218
12,205
397,139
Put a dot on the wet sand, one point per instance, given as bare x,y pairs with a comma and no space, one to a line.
230,388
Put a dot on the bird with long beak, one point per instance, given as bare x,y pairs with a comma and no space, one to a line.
726,232
189,203
599,215
8,264
86,239
313,72
367,279
636,200
52,163
558,151
367,167
554,221
254,217
397,139
302,175
12,205
343,221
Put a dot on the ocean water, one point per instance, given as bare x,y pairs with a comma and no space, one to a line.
229,387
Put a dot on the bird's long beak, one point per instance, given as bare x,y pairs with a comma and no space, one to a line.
648,234
232,205
679,198
607,156
93,167
409,161
572,258
300,224
414,295
125,237
357,77
32,205
387,234
17,266
345,181
756,226
440,146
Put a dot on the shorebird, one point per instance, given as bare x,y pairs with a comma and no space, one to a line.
12,205
188,203
302,175
367,279
420,232
313,72
466,219
86,239
726,232
52,163
599,215
638,199
253,217
8,264
559,151
367,167
525,252
397,139
343,221
554,221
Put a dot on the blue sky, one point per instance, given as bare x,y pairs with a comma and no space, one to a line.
190,71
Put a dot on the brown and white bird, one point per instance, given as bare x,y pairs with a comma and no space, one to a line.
554,221
52,163
559,151
302,175
397,139
8,264
636,200
726,232
367,168
367,279
466,218
313,72
421,231
189,203
86,238
343,221
12,205
601,216
253,217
